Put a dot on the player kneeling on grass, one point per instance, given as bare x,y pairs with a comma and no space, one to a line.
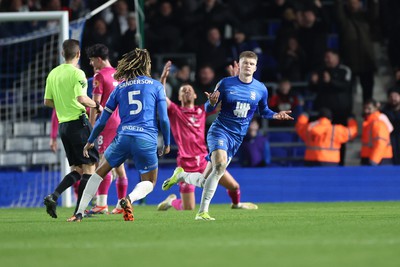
139,97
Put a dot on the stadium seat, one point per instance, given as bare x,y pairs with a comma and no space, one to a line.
282,137
273,27
44,158
13,159
28,128
47,129
42,143
19,144
333,41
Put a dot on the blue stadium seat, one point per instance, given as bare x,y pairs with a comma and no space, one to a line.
282,137
273,27
333,41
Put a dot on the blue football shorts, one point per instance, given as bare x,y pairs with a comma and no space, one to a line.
218,138
142,151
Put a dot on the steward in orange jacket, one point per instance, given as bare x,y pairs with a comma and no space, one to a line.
376,148
324,139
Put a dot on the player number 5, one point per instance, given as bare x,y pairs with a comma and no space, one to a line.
134,102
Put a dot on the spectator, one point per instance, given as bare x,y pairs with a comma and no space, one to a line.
8,29
78,9
250,15
210,13
101,35
176,80
163,34
214,52
116,18
332,86
390,10
254,151
392,111
276,8
205,82
324,139
240,43
129,40
292,60
376,148
312,36
285,99
356,44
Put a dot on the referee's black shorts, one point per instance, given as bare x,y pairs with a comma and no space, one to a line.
74,135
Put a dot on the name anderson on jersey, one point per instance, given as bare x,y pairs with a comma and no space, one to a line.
136,81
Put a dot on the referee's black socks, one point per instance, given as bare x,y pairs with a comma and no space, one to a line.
68,181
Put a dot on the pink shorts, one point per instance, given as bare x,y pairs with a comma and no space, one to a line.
197,164
105,139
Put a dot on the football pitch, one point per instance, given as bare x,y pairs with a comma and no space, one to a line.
285,234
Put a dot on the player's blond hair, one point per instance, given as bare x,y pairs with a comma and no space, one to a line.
133,64
248,54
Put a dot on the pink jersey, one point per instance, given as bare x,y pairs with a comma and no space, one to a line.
103,84
188,129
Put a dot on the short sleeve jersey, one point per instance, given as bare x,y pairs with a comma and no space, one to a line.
103,84
239,103
63,85
188,129
137,100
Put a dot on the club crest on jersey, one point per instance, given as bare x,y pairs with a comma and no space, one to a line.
193,119
252,95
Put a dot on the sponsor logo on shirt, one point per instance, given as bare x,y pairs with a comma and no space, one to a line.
83,83
132,128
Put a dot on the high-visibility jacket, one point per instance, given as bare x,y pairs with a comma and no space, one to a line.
324,139
375,139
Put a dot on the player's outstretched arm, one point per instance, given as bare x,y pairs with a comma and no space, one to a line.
283,115
163,78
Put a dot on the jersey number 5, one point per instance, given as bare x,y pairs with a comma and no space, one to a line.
134,102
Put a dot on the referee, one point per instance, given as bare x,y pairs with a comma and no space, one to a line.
66,87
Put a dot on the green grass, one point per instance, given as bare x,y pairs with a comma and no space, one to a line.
291,234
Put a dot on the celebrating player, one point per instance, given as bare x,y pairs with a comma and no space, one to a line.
240,97
188,124
138,97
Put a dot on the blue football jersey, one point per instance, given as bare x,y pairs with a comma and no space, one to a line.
239,102
137,100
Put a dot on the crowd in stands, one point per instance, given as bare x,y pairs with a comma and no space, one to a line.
327,45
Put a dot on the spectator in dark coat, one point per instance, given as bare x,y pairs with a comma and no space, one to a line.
214,52
332,87
292,61
356,42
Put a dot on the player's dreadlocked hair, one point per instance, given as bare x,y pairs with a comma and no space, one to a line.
133,64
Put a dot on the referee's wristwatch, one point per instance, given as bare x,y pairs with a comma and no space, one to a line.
97,106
